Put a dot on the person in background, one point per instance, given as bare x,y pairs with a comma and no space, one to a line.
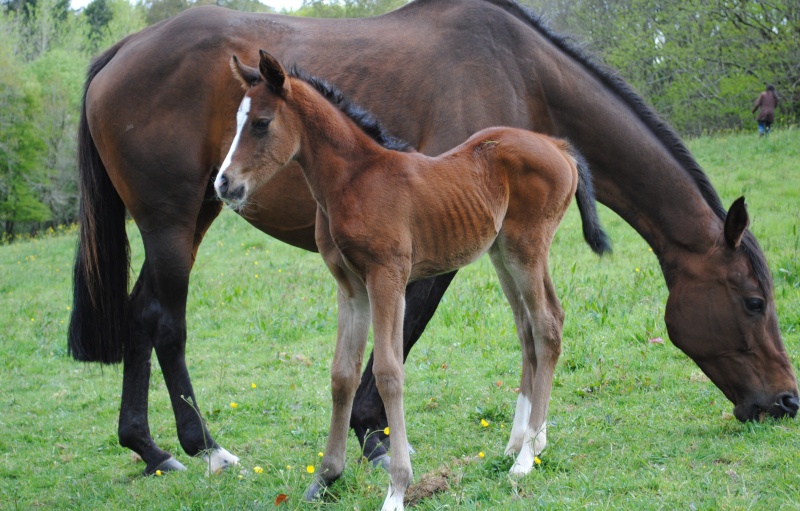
767,101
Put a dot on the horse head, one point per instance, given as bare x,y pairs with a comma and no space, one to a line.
744,356
265,140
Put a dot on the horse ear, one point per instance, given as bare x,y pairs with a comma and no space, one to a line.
736,222
272,70
247,76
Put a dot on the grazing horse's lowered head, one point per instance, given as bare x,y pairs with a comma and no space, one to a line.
755,375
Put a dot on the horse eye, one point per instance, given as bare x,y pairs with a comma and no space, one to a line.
754,304
261,124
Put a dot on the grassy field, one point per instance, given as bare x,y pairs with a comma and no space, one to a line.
633,424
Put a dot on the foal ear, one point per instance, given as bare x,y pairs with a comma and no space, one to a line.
247,76
272,70
736,222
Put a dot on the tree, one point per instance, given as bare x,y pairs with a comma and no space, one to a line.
700,63
98,14
347,8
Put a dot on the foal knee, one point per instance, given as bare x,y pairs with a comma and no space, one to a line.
343,386
389,381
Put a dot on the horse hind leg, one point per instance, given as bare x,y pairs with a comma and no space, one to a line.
134,428
158,320
522,322
539,321
547,319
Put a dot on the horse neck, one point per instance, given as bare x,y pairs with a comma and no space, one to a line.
637,171
333,148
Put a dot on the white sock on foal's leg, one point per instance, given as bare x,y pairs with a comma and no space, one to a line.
522,417
532,445
394,501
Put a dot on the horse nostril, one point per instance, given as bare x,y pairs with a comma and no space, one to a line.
222,185
789,404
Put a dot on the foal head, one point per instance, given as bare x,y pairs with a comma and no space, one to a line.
267,131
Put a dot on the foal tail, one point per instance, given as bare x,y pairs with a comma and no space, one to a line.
593,232
98,327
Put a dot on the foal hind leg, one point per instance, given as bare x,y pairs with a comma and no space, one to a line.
547,320
351,338
541,347
522,322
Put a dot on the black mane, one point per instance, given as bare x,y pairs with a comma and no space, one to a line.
663,131
363,118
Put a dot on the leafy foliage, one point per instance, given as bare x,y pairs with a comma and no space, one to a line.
700,63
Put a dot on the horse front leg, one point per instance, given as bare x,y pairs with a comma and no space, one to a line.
368,419
387,302
351,338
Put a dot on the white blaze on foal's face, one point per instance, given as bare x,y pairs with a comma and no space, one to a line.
241,119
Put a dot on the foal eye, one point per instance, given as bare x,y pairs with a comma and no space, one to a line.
261,124
754,304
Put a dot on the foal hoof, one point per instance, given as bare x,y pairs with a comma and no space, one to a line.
315,490
168,465
218,460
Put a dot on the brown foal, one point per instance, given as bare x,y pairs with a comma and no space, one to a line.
387,217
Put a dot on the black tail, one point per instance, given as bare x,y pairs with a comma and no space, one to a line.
98,328
593,232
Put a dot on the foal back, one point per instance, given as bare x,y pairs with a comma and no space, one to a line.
501,182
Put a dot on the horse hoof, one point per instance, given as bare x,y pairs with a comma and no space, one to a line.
218,460
520,469
381,461
168,465
314,491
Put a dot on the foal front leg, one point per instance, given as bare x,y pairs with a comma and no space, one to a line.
385,288
351,338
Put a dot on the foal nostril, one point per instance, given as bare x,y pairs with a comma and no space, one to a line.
789,404
222,185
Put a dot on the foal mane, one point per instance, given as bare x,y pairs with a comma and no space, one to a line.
662,130
364,119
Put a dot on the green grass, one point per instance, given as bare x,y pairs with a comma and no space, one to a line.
634,425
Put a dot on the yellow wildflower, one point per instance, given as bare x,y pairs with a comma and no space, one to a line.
258,470
537,460
253,385
310,469
386,431
234,405
320,454
481,455
484,423
158,473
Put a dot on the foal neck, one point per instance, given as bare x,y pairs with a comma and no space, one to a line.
333,148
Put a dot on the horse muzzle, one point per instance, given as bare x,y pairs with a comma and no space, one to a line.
233,196
786,404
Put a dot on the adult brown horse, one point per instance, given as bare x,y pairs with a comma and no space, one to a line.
386,217
159,112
